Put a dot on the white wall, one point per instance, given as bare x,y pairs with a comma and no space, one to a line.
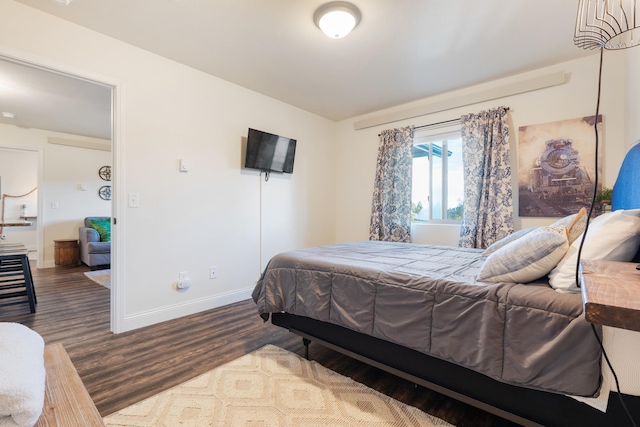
211,215
357,149
63,169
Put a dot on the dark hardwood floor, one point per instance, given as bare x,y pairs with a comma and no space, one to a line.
119,370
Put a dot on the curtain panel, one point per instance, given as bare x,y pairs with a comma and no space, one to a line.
488,191
391,207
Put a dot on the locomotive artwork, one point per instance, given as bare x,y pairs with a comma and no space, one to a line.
556,182
558,175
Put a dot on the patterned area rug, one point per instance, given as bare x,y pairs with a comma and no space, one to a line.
271,387
101,277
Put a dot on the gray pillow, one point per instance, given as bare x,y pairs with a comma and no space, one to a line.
528,258
506,240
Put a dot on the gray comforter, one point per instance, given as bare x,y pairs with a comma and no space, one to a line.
426,298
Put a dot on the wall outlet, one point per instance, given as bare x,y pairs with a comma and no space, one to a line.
183,280
213,272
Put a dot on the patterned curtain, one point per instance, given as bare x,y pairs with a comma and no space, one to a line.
488,194
391,210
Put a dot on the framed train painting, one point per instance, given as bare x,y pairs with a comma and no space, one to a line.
556,166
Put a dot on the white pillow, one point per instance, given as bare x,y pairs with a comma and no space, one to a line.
613,236
528,258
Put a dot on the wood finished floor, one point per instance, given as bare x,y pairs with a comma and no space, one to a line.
119,370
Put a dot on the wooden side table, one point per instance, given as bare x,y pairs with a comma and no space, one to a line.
66,252
611,293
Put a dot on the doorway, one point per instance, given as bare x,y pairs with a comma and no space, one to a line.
69,119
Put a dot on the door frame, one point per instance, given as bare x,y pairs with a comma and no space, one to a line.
118,214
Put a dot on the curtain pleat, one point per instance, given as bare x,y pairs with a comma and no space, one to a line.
488,194
391,207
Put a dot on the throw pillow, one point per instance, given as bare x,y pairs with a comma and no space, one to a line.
506,240
613,236
575,224
528,258
103,227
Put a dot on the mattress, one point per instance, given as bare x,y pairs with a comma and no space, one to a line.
427,298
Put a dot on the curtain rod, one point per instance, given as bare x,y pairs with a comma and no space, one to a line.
444,122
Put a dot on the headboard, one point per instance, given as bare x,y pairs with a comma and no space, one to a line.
626,191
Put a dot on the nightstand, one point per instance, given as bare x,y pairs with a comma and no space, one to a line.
611,293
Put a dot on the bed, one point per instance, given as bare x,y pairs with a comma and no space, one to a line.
454,320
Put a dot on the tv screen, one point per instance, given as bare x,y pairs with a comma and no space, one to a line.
269,152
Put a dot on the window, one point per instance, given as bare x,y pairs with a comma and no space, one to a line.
438,182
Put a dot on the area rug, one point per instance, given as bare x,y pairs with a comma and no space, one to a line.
271,387
101,277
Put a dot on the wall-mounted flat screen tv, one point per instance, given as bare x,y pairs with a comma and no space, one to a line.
269,152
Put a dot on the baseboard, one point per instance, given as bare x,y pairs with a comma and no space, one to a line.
163,314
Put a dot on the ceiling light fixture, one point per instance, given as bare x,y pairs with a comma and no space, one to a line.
62,2
336,19
609,24
8,115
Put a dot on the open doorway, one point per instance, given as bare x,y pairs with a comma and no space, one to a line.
66,122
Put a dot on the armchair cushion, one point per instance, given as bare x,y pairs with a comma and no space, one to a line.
99,247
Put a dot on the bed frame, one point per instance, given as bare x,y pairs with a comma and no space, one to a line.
521,405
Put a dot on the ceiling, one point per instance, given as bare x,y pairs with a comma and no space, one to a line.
402,50
42,99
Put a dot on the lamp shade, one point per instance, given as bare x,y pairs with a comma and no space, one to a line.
609,24
337,19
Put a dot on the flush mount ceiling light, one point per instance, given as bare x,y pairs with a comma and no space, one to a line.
336,19
8,115
62,2
609,24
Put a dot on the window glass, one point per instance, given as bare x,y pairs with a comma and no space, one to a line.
455,180
437,179
437,187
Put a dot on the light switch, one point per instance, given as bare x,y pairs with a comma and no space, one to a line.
134,200
54,205
184,165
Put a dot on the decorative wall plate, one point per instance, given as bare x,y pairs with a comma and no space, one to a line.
105,173
105,192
